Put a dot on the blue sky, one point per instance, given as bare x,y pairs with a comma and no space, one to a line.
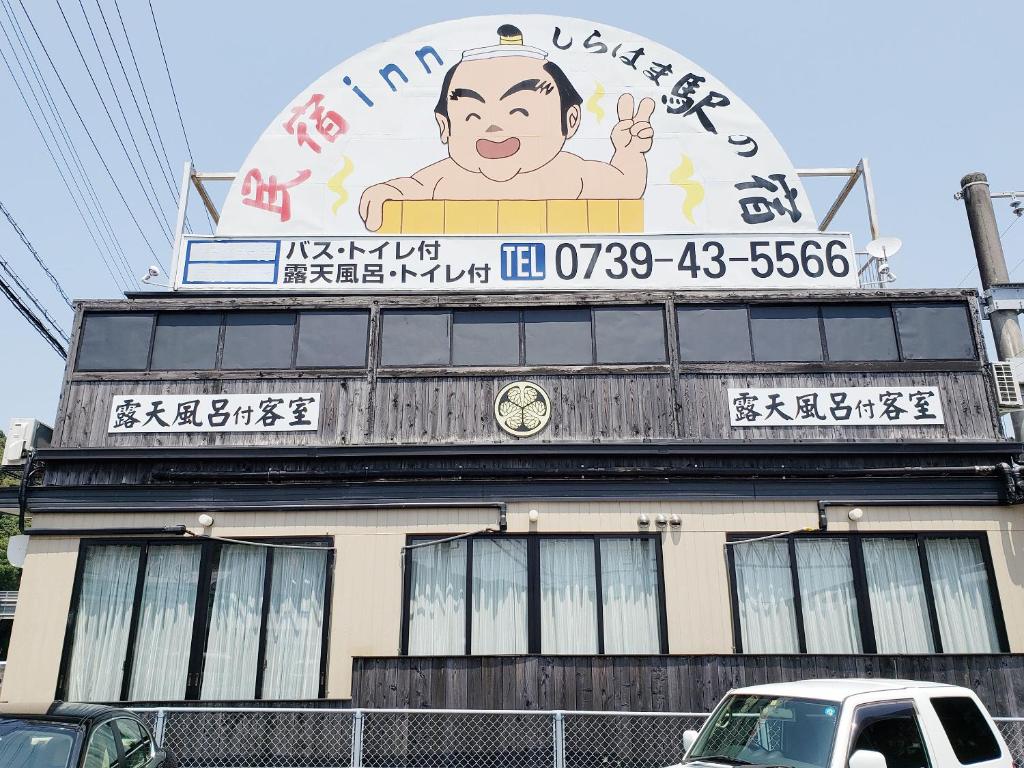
926,91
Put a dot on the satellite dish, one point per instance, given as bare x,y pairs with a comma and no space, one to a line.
883,247
17,550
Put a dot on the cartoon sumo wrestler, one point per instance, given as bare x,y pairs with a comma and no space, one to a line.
505,113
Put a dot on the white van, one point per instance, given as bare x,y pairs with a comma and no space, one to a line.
855,723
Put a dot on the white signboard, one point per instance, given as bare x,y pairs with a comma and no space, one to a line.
835,406
274,412
379,264
508,124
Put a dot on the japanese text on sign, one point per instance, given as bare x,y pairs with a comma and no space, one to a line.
276,412
854,406
670,262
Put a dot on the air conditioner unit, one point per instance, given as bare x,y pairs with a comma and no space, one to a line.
1007,387
24,435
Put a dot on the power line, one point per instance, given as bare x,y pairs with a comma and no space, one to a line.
16,279
88,70
74,199
35,255
149,105
106,233
34,321
92,140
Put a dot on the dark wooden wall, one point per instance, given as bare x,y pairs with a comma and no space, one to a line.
654,683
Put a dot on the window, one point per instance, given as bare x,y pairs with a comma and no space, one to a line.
865,593
415,337
967,729
859,332
558,337
485,337
203,341
534,594
115,342
934,331
258,340
209,620
891,729
102,749
332,339
785,333
136,743
186,341
629,334
714,333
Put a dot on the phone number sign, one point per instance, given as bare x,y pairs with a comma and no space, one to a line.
410,264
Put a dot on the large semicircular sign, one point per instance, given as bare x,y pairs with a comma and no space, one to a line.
526,124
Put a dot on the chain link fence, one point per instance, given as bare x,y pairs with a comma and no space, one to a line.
433,738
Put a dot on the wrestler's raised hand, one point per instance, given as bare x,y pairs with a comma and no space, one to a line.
633,132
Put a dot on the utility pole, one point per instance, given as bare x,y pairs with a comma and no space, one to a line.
992,266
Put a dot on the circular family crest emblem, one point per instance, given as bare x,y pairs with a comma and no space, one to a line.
522,408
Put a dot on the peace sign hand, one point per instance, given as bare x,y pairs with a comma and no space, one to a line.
633,132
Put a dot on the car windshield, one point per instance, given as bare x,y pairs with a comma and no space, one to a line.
769,730
32,744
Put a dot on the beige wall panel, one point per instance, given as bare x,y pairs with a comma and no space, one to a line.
39,622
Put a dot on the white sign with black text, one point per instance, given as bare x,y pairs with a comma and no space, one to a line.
518,263
835,406
273,412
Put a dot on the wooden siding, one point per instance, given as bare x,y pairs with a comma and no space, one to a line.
653,683
585,408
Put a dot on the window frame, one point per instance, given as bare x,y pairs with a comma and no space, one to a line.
533,594
209,553
865,619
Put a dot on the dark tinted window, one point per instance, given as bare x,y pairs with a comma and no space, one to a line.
713,334
558,337
891,729
934,331
115,342
859,332
332,339
783,334
969,733
629,334
485,337
414,338
186,341
258,340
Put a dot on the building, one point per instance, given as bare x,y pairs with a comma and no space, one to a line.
584,494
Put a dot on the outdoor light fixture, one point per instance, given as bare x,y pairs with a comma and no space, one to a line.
661,520
205,520
534,515
675,521
855,514
643,521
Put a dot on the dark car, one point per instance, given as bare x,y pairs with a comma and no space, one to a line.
59,735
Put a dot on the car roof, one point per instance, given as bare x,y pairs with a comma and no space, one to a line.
839,689
58,711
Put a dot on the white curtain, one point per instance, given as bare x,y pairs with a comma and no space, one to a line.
827,598
164,637
232,646
568,596
764,586
896,592
102,624
437,604
963,600
499,596
629,583
295,624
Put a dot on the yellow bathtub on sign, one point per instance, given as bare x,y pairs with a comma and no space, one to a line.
522,217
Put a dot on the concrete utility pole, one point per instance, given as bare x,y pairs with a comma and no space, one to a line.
992,266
